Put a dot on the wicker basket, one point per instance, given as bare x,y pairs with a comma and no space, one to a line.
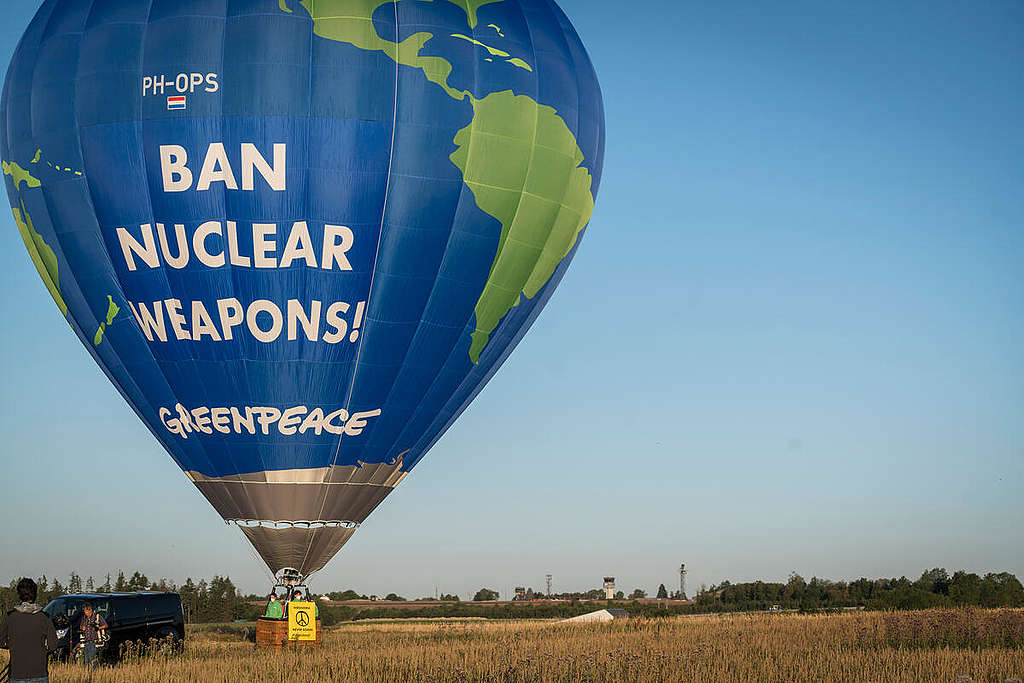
274,633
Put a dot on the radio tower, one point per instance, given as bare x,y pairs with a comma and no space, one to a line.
682,581
547,577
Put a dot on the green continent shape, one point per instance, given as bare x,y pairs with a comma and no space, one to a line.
19,175
493,50
112,309
351,21
284,6
471,7
42,255
515,61
522,164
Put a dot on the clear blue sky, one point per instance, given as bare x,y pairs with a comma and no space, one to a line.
793,337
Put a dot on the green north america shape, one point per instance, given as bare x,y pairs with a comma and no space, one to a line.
519,159
470,7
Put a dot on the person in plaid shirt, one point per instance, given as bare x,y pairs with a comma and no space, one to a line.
89,626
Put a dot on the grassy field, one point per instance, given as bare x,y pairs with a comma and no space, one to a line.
938,645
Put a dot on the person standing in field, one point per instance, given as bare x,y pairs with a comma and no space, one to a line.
274,609
29,634
90,625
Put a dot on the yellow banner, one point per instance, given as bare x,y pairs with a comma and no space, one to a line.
301,621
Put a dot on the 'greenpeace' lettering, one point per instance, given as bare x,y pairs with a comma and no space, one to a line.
247,419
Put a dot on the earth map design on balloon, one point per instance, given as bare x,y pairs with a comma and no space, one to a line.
300,236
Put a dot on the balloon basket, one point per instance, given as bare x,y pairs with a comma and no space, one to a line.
273,634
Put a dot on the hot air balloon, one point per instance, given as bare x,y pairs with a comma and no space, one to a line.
300,237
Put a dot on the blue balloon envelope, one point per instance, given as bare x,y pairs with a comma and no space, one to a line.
299,237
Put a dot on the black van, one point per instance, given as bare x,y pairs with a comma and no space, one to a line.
129,616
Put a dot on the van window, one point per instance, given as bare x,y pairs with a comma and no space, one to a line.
129,609
101,607
163,606
73,608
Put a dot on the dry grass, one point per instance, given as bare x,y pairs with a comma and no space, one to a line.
938,645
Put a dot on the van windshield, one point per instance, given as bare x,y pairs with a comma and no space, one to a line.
72,607
62,607
54,607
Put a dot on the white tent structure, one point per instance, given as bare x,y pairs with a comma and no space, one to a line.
610,614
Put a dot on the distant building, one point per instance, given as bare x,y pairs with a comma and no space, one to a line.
609,588
520,593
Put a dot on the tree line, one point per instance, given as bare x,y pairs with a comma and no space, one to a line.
935,588
217,600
